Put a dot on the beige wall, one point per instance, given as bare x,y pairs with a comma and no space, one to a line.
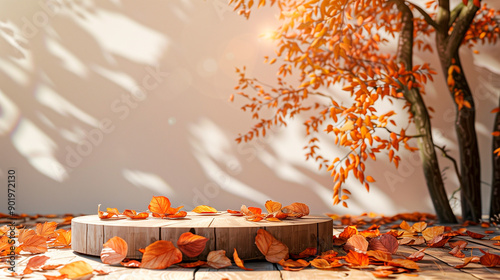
78,130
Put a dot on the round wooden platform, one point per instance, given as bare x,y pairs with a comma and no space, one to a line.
224,232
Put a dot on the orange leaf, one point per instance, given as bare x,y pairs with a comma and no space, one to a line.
408,264
131,263
370,179
180,214
101,272
35,262
24,234
114,251
417,256
294,265
324,264
348,232
161,254
46,229
159,205
432,232
77,269
467,261
217,259
192,264
255,210
50,266
272,206
132,214
438,241
357,259
489,260
238,261
308,252
63,239
419,227
204,209
104,215
51,277
273,249
34,244
356,243
296,209
191,244
382,273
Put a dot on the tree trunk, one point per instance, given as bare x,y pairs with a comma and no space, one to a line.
469,151
421,119
495,183
448,47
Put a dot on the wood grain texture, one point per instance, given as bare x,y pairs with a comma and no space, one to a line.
224,232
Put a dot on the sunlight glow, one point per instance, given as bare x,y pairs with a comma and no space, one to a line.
9,114
148,181
139,43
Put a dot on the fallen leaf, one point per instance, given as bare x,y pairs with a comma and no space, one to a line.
272,206
438,241
273,219
34,244
324,264
489,260
294,265
419,227
296,209
489,231
308,252
385,242
382,273
34,263
63,239
161,254
159,205
50,266
77,269
357,259
255,210
191,244
495,238
180,214
192,264
101,272
357,243
131,263
485,224
105,215
58,277
467,261
408,264
238,261
133,214
270,247
405,226
114,250
348,232
204,209
417,256
234,212
475,235
329,255
432,232
457,248
217,259
46,229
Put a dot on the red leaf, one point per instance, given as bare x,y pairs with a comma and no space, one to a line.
475,235
385,242
489,260
191,244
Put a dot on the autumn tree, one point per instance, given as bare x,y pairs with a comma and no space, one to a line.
325,43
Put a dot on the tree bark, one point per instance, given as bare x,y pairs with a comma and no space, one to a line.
448,47
495,183
421,119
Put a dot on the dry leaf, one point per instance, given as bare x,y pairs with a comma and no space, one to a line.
272,206
432,232
133,214
204,209
272,249
114,251
239,262
419,227
63,239
475,235
180,214
46,229
34,244
296,209
489,260
308,252
131,263
357,259
294,265
192,264
467,261
408,264
191,244
34,263
357,243
161,254
417,256
78,269
385,242
324,264
217,259
159,205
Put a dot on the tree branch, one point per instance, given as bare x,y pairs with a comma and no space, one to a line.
426,16
462,24
455,164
